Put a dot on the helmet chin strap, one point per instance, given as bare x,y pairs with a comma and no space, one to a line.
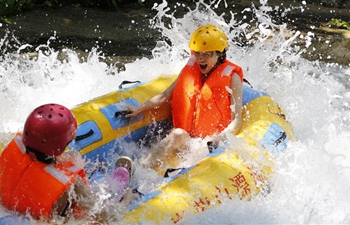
41,157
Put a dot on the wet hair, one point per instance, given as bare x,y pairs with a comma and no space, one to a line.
221,59
41,157
222,56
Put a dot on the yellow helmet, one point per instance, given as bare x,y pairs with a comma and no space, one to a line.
208,38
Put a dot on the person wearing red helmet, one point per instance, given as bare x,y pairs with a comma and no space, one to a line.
48,130
38,177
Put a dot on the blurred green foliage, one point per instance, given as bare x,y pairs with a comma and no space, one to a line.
8,7
338,23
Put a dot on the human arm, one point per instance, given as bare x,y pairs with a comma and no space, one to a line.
154,103
235,126
236,105
79,198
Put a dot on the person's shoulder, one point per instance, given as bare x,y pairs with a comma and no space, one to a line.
232,63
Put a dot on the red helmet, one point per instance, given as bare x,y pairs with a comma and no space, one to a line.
49,128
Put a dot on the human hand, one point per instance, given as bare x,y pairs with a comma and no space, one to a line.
233,128
133,111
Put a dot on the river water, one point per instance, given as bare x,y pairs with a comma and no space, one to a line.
311,182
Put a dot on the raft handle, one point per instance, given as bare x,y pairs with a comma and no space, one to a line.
280,114
83,136
280,139
170,170
127,82
247,82
211,146
123,113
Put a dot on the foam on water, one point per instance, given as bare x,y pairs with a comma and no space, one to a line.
312,179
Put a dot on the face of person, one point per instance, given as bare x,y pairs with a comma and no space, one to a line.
206,60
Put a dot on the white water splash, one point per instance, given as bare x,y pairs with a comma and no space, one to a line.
312,179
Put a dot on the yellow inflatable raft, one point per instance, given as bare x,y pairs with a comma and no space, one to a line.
224,174
231,171
102,123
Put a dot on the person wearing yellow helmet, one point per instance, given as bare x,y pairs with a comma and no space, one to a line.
209,38
206,98
209,45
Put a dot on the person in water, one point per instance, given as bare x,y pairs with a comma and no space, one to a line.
38,178
206,98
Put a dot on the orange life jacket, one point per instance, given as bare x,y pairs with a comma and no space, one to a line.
28,185
203,109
